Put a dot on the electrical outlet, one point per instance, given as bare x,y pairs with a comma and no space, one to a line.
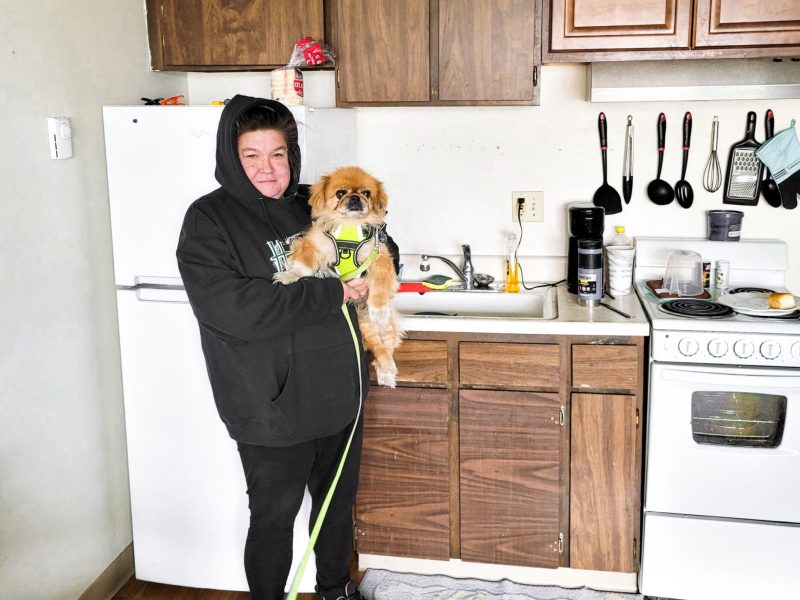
532,206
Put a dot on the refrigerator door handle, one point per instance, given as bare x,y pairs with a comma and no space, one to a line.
161,294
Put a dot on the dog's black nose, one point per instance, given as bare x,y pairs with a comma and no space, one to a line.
354,202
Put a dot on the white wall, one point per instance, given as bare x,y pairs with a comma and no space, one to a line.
64,505
451,171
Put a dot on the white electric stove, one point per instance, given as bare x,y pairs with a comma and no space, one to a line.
722,460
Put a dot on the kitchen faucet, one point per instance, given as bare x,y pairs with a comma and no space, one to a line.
465,273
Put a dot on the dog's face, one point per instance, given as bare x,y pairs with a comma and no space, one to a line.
348,194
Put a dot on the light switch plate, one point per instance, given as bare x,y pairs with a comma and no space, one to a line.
60,133
532,206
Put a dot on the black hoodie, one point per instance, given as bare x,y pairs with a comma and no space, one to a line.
280,358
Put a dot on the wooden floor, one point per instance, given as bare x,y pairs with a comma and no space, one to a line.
144,590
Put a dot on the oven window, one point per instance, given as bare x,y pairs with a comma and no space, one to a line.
738,419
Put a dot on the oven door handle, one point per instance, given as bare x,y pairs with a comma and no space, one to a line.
767,378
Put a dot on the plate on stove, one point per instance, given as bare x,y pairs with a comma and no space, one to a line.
755,304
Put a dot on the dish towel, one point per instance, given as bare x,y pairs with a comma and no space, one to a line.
781,154
379,584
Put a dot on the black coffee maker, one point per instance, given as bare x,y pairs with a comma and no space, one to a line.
585,221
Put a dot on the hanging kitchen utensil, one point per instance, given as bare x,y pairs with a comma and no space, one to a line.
684,193
743,174
782,155
769,188
659,191
627,162
712,176
606,196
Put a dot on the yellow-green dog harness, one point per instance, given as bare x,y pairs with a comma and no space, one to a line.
348,240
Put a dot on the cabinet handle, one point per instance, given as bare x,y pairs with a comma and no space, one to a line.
562,415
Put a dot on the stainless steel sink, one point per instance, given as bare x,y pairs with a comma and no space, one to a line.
534,304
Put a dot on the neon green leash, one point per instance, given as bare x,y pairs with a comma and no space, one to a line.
301,568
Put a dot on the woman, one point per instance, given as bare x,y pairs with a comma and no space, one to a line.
281,359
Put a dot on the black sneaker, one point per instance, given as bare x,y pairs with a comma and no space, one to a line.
346,592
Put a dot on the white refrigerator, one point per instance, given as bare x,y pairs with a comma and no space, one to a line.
188,493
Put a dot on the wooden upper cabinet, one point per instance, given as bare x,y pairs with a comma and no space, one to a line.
229,34
486,50
451,52
593,30
382,48
592,25
747,23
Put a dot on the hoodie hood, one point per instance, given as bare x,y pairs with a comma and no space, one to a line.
229,172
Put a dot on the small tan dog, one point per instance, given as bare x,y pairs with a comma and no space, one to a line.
348,210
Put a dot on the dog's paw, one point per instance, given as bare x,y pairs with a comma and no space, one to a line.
285,277
387,380
386,374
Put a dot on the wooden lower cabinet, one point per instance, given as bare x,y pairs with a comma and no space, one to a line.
604,483
510,449
510,474
403,502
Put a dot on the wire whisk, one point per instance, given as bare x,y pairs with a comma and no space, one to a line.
712,176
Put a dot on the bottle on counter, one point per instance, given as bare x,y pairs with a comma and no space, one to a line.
512,268
620,238
619,263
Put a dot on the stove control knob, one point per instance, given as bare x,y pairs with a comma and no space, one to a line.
795,351
743,348
688,346
717,348
770,350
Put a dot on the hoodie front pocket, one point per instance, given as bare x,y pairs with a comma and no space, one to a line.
320,396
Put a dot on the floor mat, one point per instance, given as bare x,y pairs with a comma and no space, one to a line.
379,584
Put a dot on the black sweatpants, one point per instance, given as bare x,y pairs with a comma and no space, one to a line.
276,480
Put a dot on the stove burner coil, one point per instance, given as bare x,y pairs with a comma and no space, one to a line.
743,290
686,307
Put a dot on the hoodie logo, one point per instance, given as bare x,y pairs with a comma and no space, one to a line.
280,253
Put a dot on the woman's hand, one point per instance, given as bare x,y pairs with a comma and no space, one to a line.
355,289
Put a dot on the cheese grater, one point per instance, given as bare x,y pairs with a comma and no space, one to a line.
743,175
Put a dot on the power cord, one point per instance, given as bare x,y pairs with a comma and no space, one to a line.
520,203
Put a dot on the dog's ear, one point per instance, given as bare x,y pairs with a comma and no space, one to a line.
317,199
381,199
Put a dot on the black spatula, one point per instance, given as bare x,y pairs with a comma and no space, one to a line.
606,196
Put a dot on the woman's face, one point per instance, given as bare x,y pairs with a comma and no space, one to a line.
265,160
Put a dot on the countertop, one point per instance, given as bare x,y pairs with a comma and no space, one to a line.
572,320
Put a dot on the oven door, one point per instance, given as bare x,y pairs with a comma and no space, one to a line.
724,442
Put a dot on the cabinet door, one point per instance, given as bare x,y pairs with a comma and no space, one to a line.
604,483
510,471
592,25
510,366
747,23
383,50
613,367
403,502
486,50
230,33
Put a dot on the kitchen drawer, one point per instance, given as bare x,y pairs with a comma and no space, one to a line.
420,362
504,365
610,367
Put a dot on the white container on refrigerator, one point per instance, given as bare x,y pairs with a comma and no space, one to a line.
188,492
